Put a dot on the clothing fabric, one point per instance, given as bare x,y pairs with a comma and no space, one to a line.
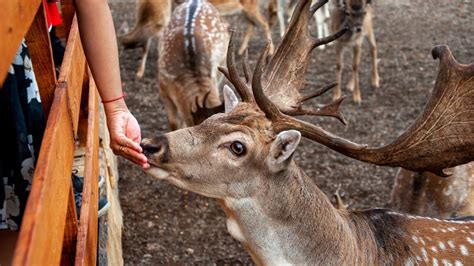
52,13
22,126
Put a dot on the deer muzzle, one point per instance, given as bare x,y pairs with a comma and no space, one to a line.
156,149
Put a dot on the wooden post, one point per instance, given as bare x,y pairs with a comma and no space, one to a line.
39,46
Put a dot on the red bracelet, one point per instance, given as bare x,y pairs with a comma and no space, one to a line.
115,99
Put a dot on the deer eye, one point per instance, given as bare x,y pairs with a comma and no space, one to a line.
238,148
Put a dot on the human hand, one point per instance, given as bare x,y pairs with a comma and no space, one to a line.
125,133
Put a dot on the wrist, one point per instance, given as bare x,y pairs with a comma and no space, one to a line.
115,106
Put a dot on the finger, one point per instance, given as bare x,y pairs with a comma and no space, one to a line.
129,153
133,158
124,141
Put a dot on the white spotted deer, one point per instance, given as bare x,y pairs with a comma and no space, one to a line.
357,16
243,158
427,194
192,47
151,19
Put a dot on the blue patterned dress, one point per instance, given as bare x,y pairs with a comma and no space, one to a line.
22,126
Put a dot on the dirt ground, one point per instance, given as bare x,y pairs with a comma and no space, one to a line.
164,224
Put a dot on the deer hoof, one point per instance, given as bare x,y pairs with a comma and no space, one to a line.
356,97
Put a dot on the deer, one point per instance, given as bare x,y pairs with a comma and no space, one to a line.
152,18
253,16
154,15
244,159
427,194
357,16
193,45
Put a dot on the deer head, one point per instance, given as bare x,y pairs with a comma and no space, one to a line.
354,12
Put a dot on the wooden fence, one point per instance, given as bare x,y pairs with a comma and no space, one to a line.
50,233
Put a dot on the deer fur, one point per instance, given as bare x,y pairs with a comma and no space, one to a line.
192,47
151,19
276,211
357,16
154,15
427,194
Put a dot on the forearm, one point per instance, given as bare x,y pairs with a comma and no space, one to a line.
100,46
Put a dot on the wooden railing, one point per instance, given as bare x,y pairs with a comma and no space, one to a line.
50,233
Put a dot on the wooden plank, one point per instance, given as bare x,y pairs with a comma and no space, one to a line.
41,236
86,250
39,46
67,13
72,72
70,232
17,17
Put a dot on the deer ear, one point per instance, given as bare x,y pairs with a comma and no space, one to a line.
230,100
282,148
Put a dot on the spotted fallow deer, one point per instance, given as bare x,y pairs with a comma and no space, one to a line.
424,193
243,158
151,19
357,16
192,47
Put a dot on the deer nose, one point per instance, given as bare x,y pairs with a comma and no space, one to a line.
156,148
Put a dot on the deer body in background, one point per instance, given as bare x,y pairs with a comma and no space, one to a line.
154,15
151,19
424,193
243,158
192,47
357,16
252,14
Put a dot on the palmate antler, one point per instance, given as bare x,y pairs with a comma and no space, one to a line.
442,137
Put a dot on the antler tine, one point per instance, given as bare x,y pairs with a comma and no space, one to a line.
317,93
330,38
317,6
224,72
331,110
246,67
234,77
267,106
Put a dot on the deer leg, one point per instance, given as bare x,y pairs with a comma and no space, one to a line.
256,18
339,67
354,81
142,67
281,16
245,42
375,80
170,107
319,17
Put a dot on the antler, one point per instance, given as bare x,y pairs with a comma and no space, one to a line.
442,137
284,78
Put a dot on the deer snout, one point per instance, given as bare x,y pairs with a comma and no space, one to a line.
358,28
156,149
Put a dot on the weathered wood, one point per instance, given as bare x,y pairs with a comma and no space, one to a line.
72,72
39,46
42,232
17,17
70,232
86,250
67,14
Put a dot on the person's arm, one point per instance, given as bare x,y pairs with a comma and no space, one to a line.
100,47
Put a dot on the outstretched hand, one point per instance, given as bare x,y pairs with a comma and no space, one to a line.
125,135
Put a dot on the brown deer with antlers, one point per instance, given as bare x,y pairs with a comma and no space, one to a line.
357,16
243,158
192,47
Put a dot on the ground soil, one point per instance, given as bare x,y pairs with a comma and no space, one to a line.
164,224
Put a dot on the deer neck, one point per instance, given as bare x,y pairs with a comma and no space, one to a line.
288,219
